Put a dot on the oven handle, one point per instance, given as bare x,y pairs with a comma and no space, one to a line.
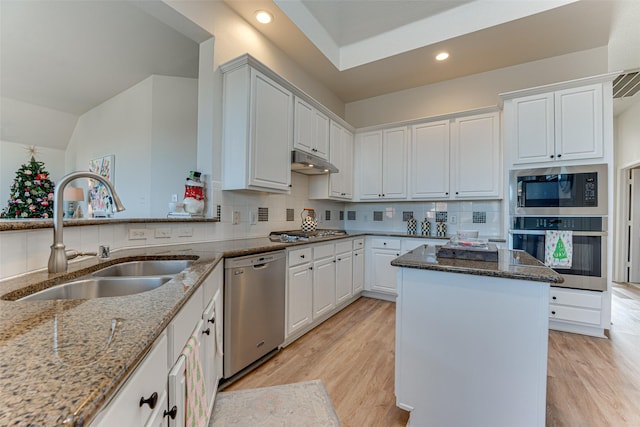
575,233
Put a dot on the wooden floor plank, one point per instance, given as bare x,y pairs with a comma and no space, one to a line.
591,381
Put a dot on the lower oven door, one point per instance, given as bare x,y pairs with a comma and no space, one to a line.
588,265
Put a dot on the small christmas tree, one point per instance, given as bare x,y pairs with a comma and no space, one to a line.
31,193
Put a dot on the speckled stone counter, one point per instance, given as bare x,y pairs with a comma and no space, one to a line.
511,265
34,224
61,360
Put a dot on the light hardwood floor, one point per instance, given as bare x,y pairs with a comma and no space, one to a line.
591,381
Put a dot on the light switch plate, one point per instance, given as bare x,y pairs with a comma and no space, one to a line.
185,232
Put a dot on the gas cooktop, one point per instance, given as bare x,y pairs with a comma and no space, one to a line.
298,235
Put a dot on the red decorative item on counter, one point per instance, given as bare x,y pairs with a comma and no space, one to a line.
194,194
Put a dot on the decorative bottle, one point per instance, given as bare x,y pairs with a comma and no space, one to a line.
426,227
412,226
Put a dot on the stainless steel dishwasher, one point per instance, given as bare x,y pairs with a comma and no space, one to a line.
254,308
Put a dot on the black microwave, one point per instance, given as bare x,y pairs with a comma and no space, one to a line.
569,190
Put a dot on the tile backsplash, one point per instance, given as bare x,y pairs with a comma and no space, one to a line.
24,251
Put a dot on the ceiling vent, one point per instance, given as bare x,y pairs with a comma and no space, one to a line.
626,85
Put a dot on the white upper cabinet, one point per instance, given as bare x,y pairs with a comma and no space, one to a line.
579,118
430,160
383,164
475,157
336,185
257,131
311,129
555,126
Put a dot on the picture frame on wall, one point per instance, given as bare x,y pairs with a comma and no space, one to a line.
100,202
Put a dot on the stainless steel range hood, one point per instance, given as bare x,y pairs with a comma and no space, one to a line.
309,164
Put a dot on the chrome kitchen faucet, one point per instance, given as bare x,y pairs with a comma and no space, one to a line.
59,256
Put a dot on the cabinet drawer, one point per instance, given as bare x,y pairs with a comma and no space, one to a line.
342,247
576,298
299,256
358,243
181,327
323,251
574,314
385,243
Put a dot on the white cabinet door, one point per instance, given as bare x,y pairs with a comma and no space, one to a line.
476,157
178,393
533,125
344,277
300,309
430,160
324,286
303,124
579,119
144,385
394,163
321,135
370,174
272,114
358,271
384,274
341,155
257,132
311,129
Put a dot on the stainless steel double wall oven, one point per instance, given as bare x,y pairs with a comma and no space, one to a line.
572,198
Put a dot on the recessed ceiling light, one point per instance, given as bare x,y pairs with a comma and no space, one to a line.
442,56
263,16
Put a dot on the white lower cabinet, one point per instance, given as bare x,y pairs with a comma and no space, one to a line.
344,273
381,275
143,392
300,296
155,393
575,310
358,265
324,280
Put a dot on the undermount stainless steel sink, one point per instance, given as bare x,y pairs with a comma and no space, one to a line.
145,268
99,287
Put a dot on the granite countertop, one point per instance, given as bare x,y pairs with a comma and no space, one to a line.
34,224
510,265
56,367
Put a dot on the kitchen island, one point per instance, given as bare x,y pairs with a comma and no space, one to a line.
471,339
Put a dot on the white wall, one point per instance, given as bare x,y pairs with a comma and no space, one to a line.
627,136
14,155
475,91
151,130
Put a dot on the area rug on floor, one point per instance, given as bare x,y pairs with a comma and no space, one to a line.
291,405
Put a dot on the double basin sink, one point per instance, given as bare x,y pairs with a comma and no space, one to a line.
126,278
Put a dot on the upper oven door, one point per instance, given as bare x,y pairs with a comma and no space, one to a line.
571,190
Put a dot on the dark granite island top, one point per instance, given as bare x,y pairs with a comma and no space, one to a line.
510,265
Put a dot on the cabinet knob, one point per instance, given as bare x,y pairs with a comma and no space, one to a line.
334,260
397,254
379,195
207,331
384,243
559,155
172,413
212,320
382,194
446,193
310,268
301,256
553,312
339,259
551,156
456,193
151,401
553,298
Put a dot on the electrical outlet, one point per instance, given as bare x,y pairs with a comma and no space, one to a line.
253,216
236,218
163,233
137,234
174,198
453,219
185,232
